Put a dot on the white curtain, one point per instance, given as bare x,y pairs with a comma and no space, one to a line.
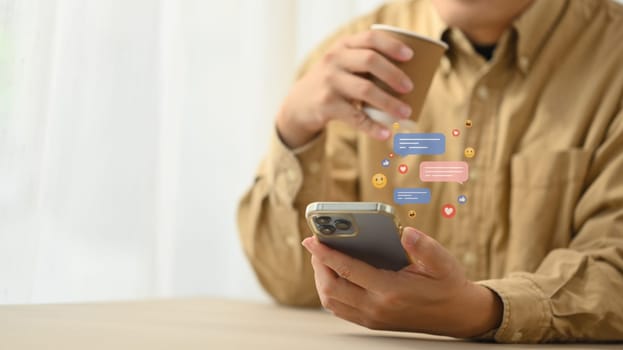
128,131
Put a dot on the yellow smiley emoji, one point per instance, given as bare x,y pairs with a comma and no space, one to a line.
470,152
379,180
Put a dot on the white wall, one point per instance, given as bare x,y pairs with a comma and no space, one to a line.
128,131
228,133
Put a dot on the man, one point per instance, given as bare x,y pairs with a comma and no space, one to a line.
536,254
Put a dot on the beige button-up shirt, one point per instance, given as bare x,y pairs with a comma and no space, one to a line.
543,222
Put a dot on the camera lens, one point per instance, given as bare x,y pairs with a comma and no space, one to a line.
323,220
327,229
342,224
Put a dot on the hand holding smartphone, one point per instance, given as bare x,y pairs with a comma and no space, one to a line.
368,231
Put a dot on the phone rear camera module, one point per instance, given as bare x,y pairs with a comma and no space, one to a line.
327,229
342,224
322,220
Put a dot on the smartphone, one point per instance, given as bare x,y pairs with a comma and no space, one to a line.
368,231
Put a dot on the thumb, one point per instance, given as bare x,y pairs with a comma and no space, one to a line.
428,256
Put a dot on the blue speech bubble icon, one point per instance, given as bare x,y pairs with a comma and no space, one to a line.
431,144
411,196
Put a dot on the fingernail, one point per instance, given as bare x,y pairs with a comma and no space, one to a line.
405,111
414,235
406,53
407,84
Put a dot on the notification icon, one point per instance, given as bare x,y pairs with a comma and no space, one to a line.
448,211
403,169
462,199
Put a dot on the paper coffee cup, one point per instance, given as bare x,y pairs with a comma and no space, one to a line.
427,53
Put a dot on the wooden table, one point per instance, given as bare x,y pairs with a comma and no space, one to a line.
206,324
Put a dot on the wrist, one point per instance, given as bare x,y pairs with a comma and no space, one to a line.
293,133
293,130
485,310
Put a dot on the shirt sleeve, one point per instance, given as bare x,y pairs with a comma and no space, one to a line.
271,215
269,225
575,294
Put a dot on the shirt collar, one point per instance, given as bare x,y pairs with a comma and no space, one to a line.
533,28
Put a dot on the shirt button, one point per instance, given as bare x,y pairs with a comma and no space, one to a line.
469,258
483,92
314,167
291,241
291,175
524,62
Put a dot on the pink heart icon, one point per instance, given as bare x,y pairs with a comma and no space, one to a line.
403,168
456,132
448,211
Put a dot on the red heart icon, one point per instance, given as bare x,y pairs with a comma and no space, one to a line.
403,168
456,132
448,211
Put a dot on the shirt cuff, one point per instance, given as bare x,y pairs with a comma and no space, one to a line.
287,168
527,311
308,146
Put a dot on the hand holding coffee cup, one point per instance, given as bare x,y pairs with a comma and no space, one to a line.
421,69
336,87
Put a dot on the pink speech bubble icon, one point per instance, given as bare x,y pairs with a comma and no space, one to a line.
444,172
